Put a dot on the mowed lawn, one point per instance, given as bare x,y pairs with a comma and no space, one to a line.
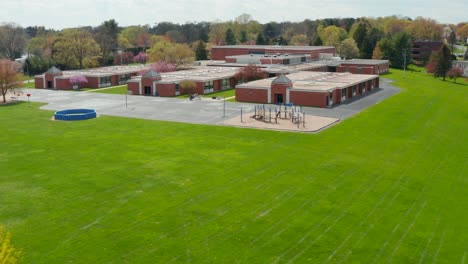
386,186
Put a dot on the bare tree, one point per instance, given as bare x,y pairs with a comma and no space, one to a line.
12,40
9,77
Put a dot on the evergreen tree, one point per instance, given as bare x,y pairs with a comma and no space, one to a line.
260,40
203,35
402,46
243,37
230,38
444,62
200,52
317,41
360,35
282,41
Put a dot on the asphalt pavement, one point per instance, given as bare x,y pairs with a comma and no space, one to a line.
206,111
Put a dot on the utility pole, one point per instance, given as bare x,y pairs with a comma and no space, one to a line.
404,63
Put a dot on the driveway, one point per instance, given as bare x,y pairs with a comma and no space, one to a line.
206,111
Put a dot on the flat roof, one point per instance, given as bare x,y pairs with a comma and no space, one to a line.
269,56
104,71
273,47
200,74
363,62
314,81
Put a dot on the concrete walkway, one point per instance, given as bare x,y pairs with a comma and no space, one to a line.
207,111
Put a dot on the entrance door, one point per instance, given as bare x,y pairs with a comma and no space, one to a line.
327,101
279,98
49,84
147,90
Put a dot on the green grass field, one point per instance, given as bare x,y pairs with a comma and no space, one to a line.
385,186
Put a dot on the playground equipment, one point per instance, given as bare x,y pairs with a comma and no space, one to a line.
285,112
75,114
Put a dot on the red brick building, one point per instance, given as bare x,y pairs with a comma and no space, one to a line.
422,50
221,52
96,77
207,79
364,66
317,89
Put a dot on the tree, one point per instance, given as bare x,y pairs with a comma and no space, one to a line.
217,33
431,65
260,40
140,58
377,53
348,49
134,37
250,73
299,40
201,53
76,48
402,46
462,32
243,37
162,66
123,58
78,80
175,53
107,37
244,19
444,62
8,253
426,29
188,86
455,73
9,77
12,41
40,52
230,39
332,35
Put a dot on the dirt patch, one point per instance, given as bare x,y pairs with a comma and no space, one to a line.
310,123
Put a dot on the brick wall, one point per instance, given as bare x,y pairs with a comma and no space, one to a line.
134,87
93,82
39,82
252,95
165,89
64,84
315,99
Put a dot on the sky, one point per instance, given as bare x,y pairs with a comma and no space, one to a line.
61,14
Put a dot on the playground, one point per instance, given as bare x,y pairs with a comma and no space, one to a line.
281,117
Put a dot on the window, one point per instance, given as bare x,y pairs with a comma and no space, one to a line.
359,69
123,78
343,94
354,90
209,87
177,89
225,84
104,82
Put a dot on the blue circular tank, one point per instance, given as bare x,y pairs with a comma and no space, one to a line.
75,114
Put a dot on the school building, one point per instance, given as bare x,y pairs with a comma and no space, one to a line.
316,89
96,77
221,52
207,80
